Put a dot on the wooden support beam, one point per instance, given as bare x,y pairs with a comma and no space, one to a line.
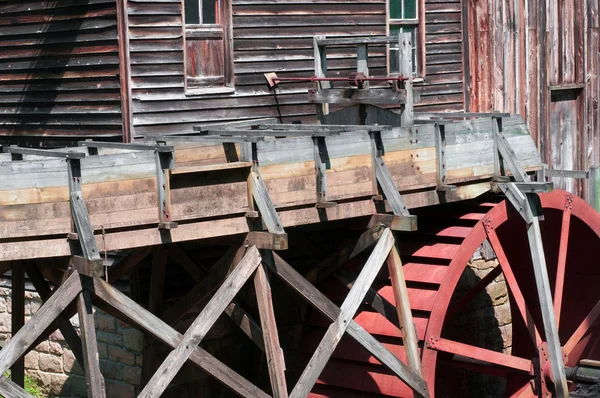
320,302
195,270
336,331
94,378
393,222
273,351
17,370
265,204
246,323
234,310
320,57
406,70
157,278
372,298
155,299
66,328
345,253
594,187
351,96
267,240
10,389
195,299
202,324
119,305
125,266
321,164
409,332
39,322
546,307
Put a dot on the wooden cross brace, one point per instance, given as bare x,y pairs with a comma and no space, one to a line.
343,322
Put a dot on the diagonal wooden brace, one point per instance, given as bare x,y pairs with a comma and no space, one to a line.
383,178
48,312
118,304
320,302
202,324
336,330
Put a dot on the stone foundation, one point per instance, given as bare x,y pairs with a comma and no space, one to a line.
485,322
53,364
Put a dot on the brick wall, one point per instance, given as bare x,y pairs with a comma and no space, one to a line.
53,364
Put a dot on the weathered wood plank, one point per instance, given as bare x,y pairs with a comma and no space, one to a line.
91,360
344,254
201,325
18,345
17,371
275,358
335,332
120,305
65,326
9,388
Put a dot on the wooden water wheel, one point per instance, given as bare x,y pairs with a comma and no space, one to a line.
434,259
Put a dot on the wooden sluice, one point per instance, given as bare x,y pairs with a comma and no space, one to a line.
61,210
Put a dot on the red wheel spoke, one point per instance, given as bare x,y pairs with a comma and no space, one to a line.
471,294
561,264
525,391
480,354
583,328
512,284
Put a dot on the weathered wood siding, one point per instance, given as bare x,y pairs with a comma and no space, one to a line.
539,58
58,69
275,36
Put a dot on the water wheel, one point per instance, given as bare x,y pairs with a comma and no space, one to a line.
434,259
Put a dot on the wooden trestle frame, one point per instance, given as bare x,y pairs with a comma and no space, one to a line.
215,291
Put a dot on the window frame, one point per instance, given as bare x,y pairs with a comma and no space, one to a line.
223,28
419,45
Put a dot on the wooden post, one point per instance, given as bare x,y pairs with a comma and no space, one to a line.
409,333
157,282
320,54
406,70
546,304
18,318
594,187
362,61
275,359
95,381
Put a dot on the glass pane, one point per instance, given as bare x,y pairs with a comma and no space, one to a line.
192,12
209,11
410,9
393,56
395,9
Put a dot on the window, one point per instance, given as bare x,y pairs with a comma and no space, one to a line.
404,18
208,46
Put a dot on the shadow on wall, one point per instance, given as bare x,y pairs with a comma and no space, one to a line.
485,322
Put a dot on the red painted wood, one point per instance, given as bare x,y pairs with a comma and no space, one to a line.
562,261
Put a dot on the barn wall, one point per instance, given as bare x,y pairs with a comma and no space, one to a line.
275,36
59,69
539,58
